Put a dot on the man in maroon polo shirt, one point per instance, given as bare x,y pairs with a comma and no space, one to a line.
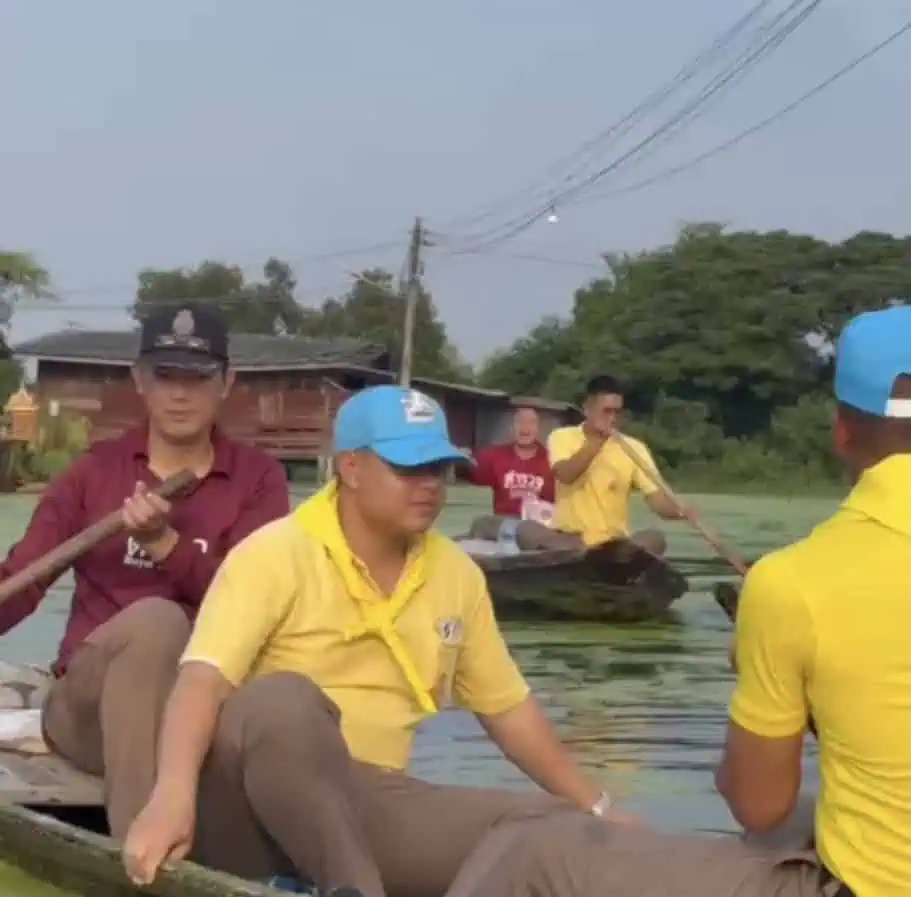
137,592
516,471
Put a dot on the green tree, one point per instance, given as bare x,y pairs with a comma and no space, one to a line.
374,310
21,279
542,363
267,306
725,339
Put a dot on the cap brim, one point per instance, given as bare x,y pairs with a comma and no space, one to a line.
417,452
183,360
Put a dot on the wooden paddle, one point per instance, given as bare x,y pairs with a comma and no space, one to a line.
61,557
723,549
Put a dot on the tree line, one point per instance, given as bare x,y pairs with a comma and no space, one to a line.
725,338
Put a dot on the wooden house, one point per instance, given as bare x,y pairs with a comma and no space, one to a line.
285,397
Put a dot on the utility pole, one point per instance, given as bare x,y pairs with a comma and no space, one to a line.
412,296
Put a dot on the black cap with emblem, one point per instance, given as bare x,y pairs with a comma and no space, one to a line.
191,337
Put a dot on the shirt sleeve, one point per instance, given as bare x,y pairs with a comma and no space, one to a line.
58,516
642,482
775,642
560,446
481,473
190,570
487,680
246,603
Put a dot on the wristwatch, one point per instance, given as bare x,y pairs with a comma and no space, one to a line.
602,805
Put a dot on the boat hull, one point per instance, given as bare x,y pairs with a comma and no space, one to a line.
79,861
52,820
618,582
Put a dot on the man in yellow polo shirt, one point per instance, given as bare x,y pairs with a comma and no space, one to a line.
324,641
823,633
824,630
595,476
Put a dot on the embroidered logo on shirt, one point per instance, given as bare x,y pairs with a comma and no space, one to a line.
449,629
450,632
135,556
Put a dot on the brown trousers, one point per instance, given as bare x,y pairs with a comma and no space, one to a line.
104,713
531,536
584,857
279,791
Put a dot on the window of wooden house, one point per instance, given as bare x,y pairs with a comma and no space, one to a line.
270,410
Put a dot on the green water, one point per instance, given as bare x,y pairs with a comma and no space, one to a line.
643,707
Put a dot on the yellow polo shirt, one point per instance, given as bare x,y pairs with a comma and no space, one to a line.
292,597
824,628
597,504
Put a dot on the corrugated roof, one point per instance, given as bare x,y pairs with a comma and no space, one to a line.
248,350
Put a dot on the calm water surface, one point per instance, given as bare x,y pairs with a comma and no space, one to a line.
642,706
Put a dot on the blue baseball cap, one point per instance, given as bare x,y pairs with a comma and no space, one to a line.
874,349
401,425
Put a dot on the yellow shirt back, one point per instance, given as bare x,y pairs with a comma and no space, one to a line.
597,504
824,628
293,598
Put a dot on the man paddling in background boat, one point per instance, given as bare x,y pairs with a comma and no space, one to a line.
823,633
135,593
595,476
326,638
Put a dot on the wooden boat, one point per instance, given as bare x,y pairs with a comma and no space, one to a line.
726,596
52,821
618,582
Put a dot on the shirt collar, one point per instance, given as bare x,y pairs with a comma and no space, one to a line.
538,447
882,493
136,440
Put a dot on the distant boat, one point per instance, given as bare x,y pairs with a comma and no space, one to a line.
617,582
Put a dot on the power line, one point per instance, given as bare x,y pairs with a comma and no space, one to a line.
525,257
717,89
621,127
227,299
756,128
251,268
511,228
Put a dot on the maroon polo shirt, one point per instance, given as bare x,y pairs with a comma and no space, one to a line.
512,479
244,490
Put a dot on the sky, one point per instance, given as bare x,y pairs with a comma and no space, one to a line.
161,134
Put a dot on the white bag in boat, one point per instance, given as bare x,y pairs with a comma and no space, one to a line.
538,511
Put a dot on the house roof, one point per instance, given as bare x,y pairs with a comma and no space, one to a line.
249,351
256,352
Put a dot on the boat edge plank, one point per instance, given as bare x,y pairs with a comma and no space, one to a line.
77,860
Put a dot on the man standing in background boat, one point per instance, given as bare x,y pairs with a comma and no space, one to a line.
522,482
135,593
517,471
595,476
823,634
326,639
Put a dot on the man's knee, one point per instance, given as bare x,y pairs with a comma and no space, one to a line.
282,709
530,807
153,628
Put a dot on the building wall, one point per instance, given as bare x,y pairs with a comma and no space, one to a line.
460,415
289,415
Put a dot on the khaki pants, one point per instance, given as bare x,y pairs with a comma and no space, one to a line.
532,536
279,792
584,857
104,713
